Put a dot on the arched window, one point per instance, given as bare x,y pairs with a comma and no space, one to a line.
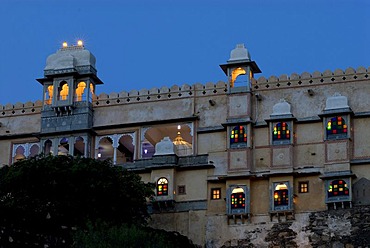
79,147
19,153
34,150
336,126
48,147
281,132
236,76
63,148
238,135
281,195
105,148
63,90
125,149
338,188
80,90
237,198
49,95
162,186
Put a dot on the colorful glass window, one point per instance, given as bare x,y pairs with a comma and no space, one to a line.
335,126
237,198
238,135
338,188
281,195
162,186
281,132
216,194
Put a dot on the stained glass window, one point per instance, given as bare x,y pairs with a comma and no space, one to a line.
238,198
162,186
281,132
238,135
338,188
281,195
335,126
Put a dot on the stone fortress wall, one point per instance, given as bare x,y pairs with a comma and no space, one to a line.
174,92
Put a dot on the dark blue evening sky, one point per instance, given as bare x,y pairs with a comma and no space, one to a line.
153,43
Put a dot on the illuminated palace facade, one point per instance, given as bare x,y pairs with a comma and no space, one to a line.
226,157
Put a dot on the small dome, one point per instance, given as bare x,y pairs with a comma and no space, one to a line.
239,53
165,147
182,147
281,108
70,57
337,101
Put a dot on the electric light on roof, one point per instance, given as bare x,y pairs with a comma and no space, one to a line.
80,43
65,44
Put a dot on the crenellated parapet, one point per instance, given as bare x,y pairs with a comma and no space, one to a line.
160,94
307,79
21,108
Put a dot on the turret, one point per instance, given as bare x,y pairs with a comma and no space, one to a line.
240,69
69,82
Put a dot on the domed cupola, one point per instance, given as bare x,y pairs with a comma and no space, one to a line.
182,147
70,76
240,69
240,53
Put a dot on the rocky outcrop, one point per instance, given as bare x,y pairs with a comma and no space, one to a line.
341,228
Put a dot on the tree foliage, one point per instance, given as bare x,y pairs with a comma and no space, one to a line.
44,198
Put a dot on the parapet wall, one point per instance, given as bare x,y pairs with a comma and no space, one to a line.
307,79
160,94
175,92
20,108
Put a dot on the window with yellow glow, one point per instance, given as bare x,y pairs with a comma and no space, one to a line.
336,126
338,188
80,91
63,91
49,95
162,186
238,198
235,73
281,195
216,194
238,135
92,89
281,132
303,187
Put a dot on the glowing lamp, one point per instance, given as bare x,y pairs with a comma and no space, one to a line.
99,155
80,43
65,44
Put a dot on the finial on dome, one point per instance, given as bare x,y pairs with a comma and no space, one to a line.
239,53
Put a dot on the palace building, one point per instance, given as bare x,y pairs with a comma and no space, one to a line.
229,159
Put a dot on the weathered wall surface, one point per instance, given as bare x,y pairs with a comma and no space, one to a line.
191,224
341,228
294,89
